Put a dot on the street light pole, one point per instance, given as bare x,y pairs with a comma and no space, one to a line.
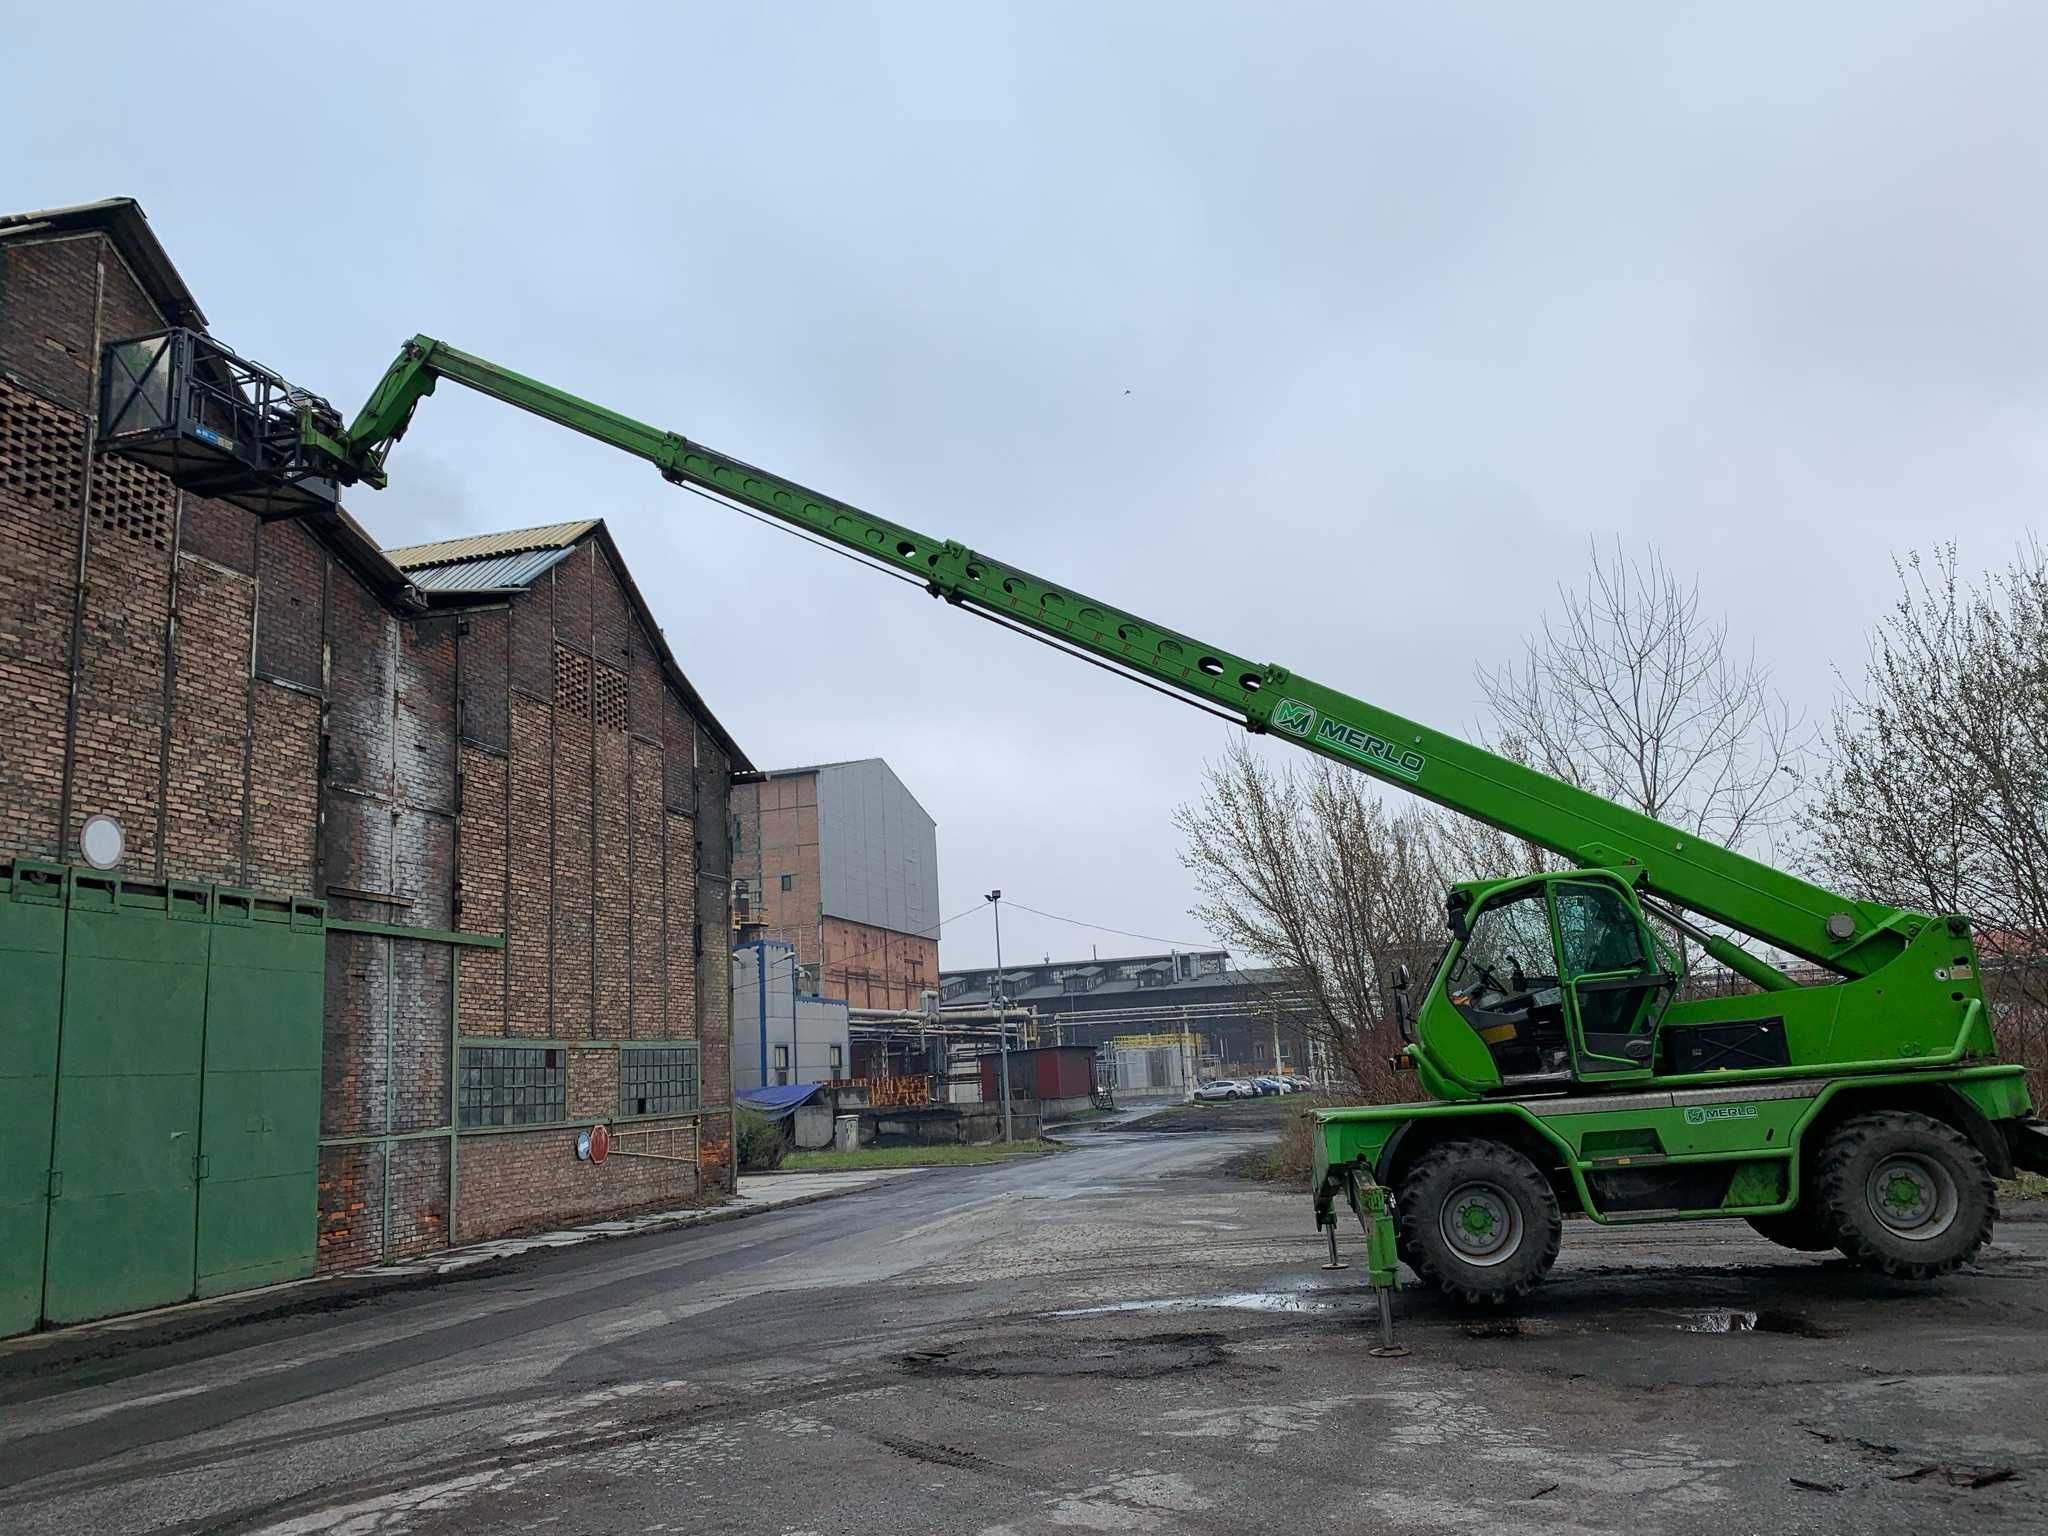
995,899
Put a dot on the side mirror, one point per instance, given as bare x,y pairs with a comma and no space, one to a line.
1402,1016
1455,906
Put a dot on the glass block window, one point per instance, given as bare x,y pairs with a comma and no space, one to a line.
512,1085
657,1081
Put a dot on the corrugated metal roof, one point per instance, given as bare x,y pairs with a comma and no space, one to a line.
457,569
490,574
517,541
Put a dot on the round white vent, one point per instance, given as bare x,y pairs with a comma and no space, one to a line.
102,841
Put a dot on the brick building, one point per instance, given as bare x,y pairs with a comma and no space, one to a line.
480,756
841,861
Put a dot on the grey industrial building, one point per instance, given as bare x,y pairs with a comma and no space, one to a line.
839,861
780,1033
1248,1019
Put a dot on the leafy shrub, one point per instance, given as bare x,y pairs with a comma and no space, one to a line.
761,1142
1291,1159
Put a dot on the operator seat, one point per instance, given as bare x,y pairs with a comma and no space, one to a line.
1523,1028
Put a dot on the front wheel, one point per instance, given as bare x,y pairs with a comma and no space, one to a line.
1478,1220
1906,1194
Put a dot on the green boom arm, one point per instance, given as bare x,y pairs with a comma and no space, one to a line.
1854,938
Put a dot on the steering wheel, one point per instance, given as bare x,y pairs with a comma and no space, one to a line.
1487,980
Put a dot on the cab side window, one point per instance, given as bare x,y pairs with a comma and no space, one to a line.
1508,940
1597,934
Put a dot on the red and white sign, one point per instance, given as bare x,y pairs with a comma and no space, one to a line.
600,1143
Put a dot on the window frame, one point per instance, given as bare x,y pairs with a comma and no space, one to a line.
478,1103
666,1105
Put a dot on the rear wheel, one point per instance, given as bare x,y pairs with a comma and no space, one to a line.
1803,1229
1906,1194
1478,1220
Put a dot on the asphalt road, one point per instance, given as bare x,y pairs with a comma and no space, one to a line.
1116,1339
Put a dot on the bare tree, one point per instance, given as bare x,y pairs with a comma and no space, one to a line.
1633,693
1471,850
1304,868
1935,792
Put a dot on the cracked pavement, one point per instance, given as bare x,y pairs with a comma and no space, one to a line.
1116,1339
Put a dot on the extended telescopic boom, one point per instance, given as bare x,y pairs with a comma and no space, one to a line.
1853,938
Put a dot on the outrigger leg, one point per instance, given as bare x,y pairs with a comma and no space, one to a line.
1375,1208
1335,1262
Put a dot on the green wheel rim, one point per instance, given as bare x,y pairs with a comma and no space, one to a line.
1912,1196
1481,1223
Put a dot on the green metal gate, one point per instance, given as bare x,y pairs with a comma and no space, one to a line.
172,1150
32,961
260,1127
124,1163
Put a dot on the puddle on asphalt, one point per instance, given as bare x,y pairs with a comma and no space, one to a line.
1754,1322
1720,1322
1121,1359
1236,1301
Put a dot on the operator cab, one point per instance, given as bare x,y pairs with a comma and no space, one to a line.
1560,976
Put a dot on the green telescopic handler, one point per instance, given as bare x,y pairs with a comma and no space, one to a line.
1560,1068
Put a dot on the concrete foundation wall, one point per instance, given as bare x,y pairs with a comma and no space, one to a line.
947,1124
1060,1109
811,1127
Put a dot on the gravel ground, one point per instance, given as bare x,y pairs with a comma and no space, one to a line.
1118,1339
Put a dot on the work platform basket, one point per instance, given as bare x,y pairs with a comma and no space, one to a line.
215,424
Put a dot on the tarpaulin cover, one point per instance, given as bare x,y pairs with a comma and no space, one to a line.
777,1103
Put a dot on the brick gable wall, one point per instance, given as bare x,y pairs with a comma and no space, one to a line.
255,716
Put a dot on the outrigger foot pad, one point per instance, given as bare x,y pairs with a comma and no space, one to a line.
1386,1349
1335,1262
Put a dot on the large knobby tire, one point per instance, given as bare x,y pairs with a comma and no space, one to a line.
1477,1220
1804,1229
1906,1194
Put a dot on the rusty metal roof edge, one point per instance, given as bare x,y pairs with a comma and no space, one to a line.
560,537
489,573
358,550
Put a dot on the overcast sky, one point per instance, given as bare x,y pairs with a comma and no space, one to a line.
1332,333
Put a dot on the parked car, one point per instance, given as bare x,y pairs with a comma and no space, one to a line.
1270,1084
1225,1088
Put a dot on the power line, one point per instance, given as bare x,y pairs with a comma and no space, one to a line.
1292,1000
921,933
1149,938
